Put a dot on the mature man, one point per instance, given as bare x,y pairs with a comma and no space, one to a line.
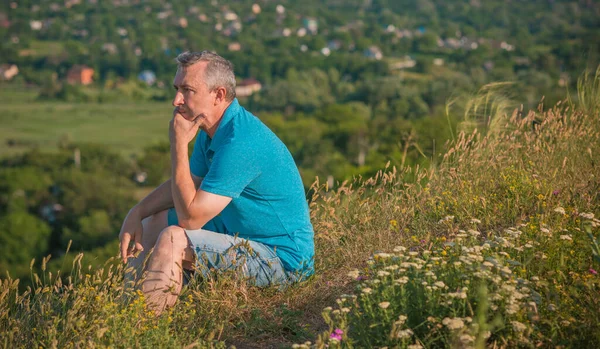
238,201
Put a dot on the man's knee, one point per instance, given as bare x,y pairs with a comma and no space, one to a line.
172,238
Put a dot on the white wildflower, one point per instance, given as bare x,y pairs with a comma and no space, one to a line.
474,232
560,210
403,334
465,338
446,219
383,273
587,215
384,305
440,284
518,326
399,249
401,281
354,274
367,290
475,221
566,237
454,323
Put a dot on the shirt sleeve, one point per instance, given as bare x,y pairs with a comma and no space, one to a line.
198,165
233,168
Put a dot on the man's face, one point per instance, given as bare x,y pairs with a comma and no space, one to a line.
192,97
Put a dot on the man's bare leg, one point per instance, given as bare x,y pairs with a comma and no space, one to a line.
163,280
152,226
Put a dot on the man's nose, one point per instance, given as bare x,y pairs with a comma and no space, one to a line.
178,99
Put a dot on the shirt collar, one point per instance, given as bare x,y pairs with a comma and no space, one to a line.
220,134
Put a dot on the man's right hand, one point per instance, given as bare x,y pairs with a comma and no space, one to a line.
131,230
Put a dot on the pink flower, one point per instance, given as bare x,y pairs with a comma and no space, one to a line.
337,334
556,192
593,271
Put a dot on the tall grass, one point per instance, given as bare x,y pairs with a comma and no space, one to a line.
520,199
588,92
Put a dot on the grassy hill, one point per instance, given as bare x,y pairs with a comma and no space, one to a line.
494,247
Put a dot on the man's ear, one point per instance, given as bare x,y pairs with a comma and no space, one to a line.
221,94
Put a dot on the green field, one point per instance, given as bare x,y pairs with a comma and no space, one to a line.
125,127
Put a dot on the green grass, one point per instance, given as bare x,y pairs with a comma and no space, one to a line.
124,127
501,225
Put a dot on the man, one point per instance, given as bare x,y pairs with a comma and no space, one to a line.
238,202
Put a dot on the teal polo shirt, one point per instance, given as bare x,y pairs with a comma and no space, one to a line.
247,162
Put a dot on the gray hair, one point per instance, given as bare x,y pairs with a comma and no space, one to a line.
218,73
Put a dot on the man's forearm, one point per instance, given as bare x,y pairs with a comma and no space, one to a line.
182,185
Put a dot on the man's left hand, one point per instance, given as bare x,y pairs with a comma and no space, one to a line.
182,130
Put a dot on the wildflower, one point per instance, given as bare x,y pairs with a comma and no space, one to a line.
394,223
454,323
518,326
440,284
345,310
354,274
413,253
560,210
415,346
446,219
566,237
593,271
404,334
475,221
465,338
474,232
336,335
459,295
383,273
556,192
384,305
367,290
382,255
399,249
587,215
401,281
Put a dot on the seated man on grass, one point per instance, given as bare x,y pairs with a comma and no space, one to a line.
240,187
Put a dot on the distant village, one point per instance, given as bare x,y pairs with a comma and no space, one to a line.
230,24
